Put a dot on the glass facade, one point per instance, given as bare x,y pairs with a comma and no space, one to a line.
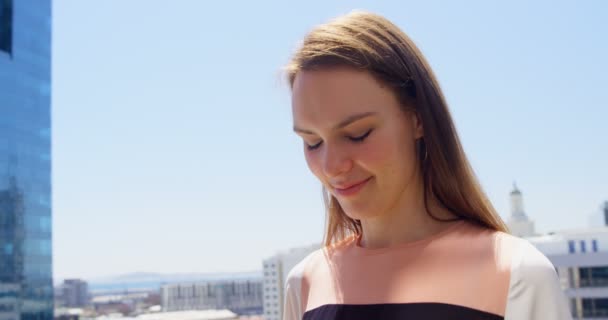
6,25
593,277
595,308
26,290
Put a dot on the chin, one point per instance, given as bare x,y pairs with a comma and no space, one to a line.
358,213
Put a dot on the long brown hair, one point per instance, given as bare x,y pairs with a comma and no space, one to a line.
369,42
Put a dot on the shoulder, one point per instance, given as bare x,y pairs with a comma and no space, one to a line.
527,265
531,268
296,274
534,289
293,308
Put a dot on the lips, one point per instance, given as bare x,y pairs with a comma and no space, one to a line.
351,188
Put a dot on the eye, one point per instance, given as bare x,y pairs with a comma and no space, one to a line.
313,147
361,137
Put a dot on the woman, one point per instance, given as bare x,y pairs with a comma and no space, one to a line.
409,233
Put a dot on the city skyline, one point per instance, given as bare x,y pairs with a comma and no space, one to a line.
173,144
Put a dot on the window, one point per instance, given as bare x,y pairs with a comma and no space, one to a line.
7,307
571,248
6,25
593,276
583,247
595,307
594,245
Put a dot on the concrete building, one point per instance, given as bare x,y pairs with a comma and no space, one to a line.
519,223
275,270
243,297
175,315
190,315
581,260
68,314
73,293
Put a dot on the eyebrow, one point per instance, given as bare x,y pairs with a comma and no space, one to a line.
343,123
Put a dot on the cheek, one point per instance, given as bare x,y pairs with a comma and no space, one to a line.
388,155
372,155
379,152
312,160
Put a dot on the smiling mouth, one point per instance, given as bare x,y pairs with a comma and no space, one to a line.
352,189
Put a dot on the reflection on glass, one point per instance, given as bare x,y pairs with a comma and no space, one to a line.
25,167
6,25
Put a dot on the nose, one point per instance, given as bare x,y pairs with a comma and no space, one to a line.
335,161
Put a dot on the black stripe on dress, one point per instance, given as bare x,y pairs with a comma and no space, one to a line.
398,311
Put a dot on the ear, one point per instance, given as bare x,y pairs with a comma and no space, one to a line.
417,125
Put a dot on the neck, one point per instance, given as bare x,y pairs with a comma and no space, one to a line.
407,221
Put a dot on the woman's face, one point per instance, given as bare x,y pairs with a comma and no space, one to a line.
358,140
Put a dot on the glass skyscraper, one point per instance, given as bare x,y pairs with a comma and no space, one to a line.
26,286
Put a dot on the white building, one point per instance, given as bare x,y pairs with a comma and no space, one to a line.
176,315
581,260
276,269
519,223
190,315
239,296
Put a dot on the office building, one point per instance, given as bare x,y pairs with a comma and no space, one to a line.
26,286
243,297
581,260
73,293
276,269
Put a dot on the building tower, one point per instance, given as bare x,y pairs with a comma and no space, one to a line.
26,278
518,223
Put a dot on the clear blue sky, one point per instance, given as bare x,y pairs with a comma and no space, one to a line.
172,141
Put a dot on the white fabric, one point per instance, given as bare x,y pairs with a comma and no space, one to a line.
292,308
534,289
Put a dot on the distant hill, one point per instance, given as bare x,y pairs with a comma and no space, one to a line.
152,281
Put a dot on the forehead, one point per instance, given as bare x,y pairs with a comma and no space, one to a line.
325,97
